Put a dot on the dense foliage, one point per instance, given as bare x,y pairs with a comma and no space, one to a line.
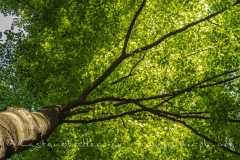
172,93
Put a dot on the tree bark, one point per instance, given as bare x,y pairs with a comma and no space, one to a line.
21,129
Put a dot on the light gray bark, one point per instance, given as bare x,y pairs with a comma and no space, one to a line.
19,128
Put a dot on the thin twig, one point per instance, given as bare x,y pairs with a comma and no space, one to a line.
215,23
130,73
200,51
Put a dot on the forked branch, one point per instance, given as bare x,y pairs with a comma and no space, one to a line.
118,61
123,56
159,113
130,73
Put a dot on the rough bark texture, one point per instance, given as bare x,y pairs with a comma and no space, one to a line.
19,128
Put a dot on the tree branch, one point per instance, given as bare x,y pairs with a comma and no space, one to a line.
147,47
214,23
160,113
220,82
188,89
202,135
103,119
119,60
199,51
68,113
195,112
178,92
123,56
202,117
131,27
130,73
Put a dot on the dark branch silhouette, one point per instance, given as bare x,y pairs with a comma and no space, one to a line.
214,23
220,82
131,27
104,118
119,60
130,73
123,56
121,101
199,51
202,135
156,112
147,47
205,112
72,113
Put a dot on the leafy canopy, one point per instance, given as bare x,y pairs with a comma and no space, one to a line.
175,62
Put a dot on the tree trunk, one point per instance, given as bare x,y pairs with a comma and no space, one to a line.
21,129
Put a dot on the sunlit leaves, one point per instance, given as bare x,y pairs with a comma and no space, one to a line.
71,43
